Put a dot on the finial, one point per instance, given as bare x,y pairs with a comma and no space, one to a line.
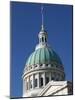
42,26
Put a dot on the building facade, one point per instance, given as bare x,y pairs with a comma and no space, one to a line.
44,72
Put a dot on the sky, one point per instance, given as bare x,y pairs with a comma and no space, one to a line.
25,22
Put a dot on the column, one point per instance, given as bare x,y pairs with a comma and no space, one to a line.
44,79
28,82
25,85
33,81
38,80
49,76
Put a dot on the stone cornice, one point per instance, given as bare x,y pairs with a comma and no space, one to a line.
42,70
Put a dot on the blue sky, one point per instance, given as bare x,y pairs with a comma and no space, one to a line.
25,26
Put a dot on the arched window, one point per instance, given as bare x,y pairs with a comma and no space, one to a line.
35,82
41,81
42,39
47,80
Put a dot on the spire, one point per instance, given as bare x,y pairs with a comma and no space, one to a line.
42,17
42,34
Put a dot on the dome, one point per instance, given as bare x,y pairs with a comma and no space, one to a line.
44,55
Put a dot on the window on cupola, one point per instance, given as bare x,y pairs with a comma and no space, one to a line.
42,39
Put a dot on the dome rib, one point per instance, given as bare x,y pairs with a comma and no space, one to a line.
42,57
47,56
37,56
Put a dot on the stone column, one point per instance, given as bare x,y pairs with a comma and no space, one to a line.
44,79
25,85
49,76
33,81
28,82
38,80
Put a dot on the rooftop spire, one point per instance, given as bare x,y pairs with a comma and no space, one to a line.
42,16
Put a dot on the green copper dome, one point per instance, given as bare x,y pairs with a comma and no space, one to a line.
43,55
